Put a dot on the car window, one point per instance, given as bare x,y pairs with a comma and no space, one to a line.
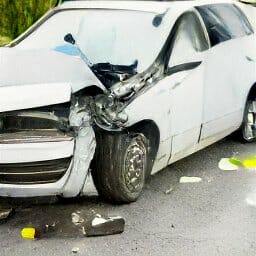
224,22
189,39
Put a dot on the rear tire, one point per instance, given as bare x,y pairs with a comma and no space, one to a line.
247,133
120,165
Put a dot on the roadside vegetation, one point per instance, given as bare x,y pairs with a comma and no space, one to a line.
18,15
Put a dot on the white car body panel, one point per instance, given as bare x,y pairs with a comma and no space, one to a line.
33,95
184,135
223,97
186,110
27,73
178,119
33,152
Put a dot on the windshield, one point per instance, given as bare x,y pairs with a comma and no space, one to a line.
119,37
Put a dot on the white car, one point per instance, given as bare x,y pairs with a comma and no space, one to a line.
120,90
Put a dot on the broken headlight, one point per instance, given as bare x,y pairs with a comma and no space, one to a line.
109,111
50,118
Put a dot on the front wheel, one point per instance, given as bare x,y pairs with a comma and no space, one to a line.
120,166
249,123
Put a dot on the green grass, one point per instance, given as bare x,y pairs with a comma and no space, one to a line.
16,16
4,40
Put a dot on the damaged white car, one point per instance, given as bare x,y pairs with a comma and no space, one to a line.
134,87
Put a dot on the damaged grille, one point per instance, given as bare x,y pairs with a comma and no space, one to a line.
41,126
34,173
54,117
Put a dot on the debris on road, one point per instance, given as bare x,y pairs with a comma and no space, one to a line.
5,214
103,226
93,224
233,164
226,165
190,179
75,250
44,231
29,233
251,199
76,218
168,191
48,230
249,163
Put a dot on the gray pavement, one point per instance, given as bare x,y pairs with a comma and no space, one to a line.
214,217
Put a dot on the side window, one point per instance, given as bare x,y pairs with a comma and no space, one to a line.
224,22
189,39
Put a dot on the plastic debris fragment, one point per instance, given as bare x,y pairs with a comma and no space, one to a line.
5,213
226,165
232,164
168,191
103,226
250,163
235,161
190,179
29,233
75,250
76,218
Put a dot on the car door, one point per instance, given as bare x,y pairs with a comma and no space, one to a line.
186,65
227,69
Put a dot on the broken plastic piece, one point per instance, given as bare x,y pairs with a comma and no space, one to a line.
29,233
101,226
5,213
48,230
250,163
232,164
75,250
226,164
44,231
168,191
76,219
235,161
190,179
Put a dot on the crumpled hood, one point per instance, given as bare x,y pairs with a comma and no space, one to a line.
40,77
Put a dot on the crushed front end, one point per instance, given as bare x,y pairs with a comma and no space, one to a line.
45,151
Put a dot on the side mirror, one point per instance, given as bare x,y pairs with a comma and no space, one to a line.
69,39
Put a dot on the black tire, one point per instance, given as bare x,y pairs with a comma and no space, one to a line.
247,132
110,169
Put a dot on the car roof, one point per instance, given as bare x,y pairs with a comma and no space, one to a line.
147,6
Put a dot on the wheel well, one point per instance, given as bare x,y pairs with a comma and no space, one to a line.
152,133
90,91
252,93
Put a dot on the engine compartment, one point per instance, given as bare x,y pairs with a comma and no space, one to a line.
110,74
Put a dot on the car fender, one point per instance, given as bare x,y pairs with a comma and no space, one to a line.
154,103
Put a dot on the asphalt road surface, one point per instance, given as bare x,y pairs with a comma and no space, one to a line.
214,217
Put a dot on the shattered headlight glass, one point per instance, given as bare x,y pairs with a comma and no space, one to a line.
46,118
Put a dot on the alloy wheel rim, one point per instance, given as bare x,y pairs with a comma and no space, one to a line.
250,122
135,164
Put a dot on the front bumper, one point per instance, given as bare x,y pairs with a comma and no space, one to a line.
45,163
